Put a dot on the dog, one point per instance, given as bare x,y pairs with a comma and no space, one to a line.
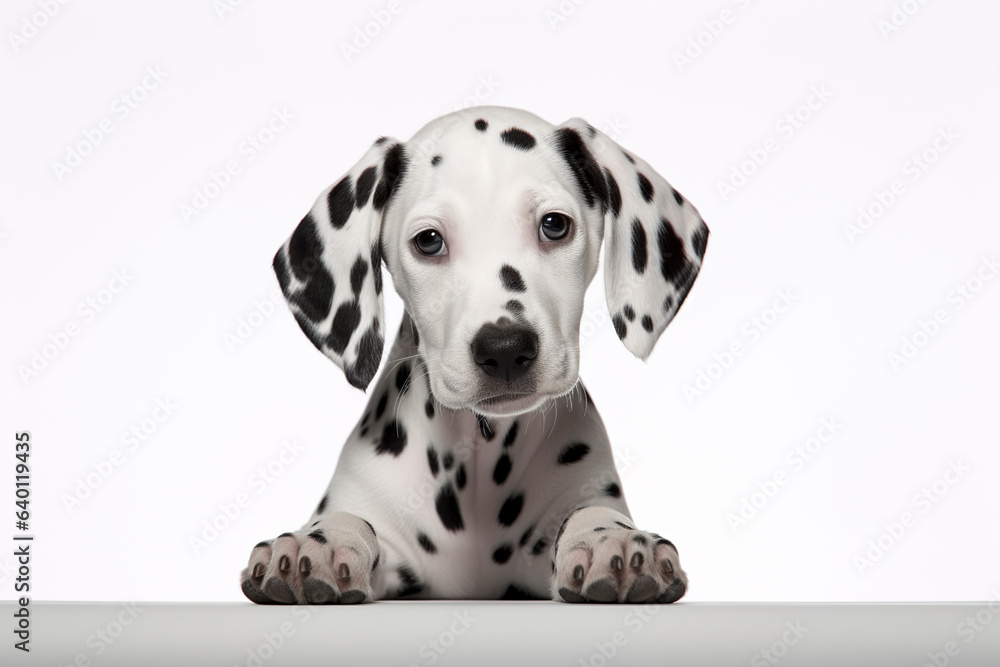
460,480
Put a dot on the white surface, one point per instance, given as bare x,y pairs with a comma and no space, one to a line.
685,465
491,634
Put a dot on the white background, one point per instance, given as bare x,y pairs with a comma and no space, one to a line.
688,462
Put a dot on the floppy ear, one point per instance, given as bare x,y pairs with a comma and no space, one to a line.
654,239
330,269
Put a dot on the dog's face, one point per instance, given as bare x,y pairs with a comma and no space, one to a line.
490,221
491,249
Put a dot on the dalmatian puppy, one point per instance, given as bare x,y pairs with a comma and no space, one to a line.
480,467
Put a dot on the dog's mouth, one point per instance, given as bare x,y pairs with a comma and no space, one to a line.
506,404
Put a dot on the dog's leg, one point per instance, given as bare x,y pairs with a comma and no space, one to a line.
601,557
334,559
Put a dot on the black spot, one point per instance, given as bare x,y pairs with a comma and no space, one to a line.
316,298
511,509
402,376
700,240
429,408
446,504
508,439
527,535
375,562
511,279
620,327
674,264
613,490
426,543
668,303
515,593
481,125
381,140
369,355
677,197
364,420
502,553
364,431
614,193
340,202
377,267
280,266
436,160
645,187
514,306
410,584
624,525
600,528
639,254
448,460
628,157
432,460
265,543
502,469
358,272
285,535
345,323
573,452
518,138
664,540
639,538
393,170
318,536
393,439
629,312
541,545
460,477
647,323
366,182
380,408
485,428
322,505
304,248
582,164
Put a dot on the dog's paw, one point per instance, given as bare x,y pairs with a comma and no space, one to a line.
602,557
332,561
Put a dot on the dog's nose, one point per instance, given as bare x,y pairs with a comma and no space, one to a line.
504,352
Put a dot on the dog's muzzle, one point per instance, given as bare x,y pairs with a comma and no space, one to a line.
505,352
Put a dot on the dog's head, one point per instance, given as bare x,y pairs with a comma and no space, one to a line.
490,221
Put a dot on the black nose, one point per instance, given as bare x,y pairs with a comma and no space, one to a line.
504,352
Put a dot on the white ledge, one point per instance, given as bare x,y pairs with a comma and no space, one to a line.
505,633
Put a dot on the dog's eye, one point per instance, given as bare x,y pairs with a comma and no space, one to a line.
554,226
429,242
